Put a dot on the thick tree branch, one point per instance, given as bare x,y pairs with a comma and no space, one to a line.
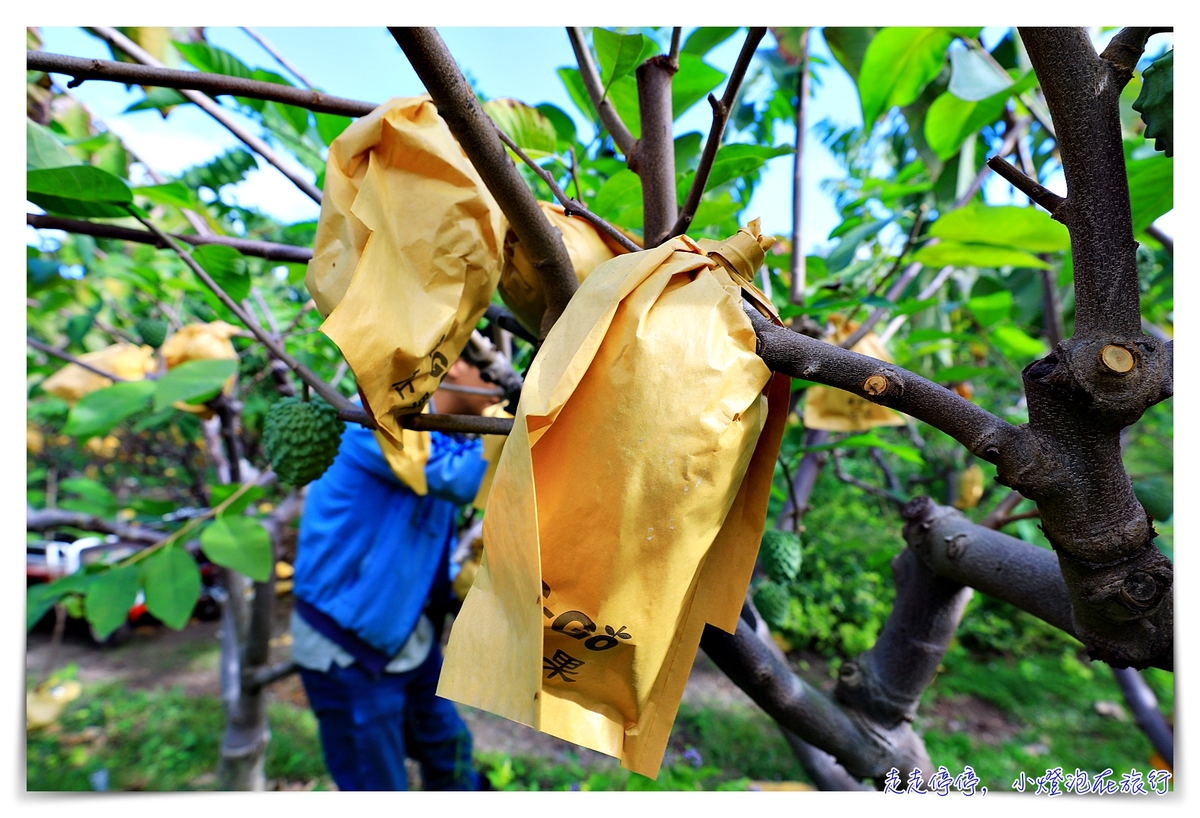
984,434
721,112
119,40
476,135
604,107
215,84
248,247
572,207
654,157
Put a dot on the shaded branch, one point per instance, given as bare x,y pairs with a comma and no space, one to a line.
572,207
119,40
1144,704
476,135
1038,194
721,111
591,82
462,424
248,247
862,485
215,84
984,434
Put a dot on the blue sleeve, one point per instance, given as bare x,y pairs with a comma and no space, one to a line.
362,449
455,468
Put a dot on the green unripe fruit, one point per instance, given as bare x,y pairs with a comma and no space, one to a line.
779,555
772,600
301,439
153,331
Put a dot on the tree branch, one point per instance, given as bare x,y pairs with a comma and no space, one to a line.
1144,704
799,268
984,434
270,49
591,81
1040,195
69,358
572,207
476,135
258,249
653,158
721,112
119,40
462,424
862,485
51,518
215,84
1011,139
325,390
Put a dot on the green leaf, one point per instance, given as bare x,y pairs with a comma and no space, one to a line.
1026,228
961,254
78,325
564,126
973,78
98,412
240,543
227,266
849,46
294,115
40,598
159,99
1014,343
1156,495
172,193
706,38
1151,189
899,63
573,82
735,161
43,150
950,119
1156,102
527,127
624,96
193,382
219,493
692,83
619,54
330,126
623,189
109,597
988,309
213,60
843,254
82,183
172,584
94,497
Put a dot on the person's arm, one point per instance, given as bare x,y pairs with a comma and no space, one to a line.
359,444
455,468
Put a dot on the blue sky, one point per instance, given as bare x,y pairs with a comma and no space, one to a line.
366,64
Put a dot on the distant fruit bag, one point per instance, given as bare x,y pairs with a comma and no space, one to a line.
838,411
125,360
628,504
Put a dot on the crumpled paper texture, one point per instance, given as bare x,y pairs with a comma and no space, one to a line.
125,360
406,255
838,411
519,285
628,503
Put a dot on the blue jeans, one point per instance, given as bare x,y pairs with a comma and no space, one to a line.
369,725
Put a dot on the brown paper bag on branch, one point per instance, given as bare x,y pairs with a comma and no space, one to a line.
125,360
406,255
628,503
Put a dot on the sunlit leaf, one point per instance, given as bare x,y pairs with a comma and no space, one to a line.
1151,189
619,54
109,597
172,585
706,38
527,127
240,543
973,77
898,64
962,254
1026,228
44,150
193,382
988,309
692,83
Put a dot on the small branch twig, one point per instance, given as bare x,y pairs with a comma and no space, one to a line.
119,40
928,292
595,90
325,390
1011,139
573,207
893,295
1039,195
69,358
673,55
1002,510
270,49
258,249
850,479
462,424
721,111
799,269
216,84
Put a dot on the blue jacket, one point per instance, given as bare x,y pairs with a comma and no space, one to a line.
370,548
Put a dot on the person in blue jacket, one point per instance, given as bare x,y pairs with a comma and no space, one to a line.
371,580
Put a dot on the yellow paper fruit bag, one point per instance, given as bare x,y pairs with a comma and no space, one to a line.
201,342
406,255
839,411
627,506
519,284
125,360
